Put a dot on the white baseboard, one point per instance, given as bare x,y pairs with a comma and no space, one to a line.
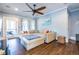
73,38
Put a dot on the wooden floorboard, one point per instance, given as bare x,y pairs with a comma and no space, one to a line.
52,48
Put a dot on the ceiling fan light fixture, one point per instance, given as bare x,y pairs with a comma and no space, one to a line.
34,4
7,6
16,9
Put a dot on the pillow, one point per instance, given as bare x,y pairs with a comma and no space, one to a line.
32,31
25,32
14,33
47,31
10,32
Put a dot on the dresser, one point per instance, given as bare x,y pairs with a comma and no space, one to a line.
50,36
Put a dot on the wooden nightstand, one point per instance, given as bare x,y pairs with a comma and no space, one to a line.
61,39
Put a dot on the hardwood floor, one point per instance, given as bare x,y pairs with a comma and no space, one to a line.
53,48
15,48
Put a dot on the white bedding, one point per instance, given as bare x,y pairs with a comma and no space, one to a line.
29,44
27,41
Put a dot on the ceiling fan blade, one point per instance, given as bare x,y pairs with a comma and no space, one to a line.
41,8
27,11
29,6
39,12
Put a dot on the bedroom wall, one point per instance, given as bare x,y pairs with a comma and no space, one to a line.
73,24
57,22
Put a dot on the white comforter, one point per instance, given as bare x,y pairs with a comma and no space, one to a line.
27,41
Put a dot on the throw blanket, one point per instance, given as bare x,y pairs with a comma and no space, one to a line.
31,37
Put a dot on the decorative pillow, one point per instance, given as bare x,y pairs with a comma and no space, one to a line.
47,31
14,33
32,31
25,32
10,32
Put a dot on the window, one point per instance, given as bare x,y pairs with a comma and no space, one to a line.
24,25
32,25
0,31
11,25
0,24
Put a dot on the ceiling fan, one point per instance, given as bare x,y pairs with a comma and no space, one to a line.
35,10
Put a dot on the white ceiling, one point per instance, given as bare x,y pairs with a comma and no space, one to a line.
22,7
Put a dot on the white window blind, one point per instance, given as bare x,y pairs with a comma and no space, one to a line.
11,25
0,24
24,25
32,25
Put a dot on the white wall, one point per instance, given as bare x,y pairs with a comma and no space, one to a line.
73,24
59,22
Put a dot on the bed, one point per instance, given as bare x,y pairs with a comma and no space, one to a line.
32,40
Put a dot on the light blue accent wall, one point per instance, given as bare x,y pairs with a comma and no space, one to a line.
73,24
57,22
44,23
